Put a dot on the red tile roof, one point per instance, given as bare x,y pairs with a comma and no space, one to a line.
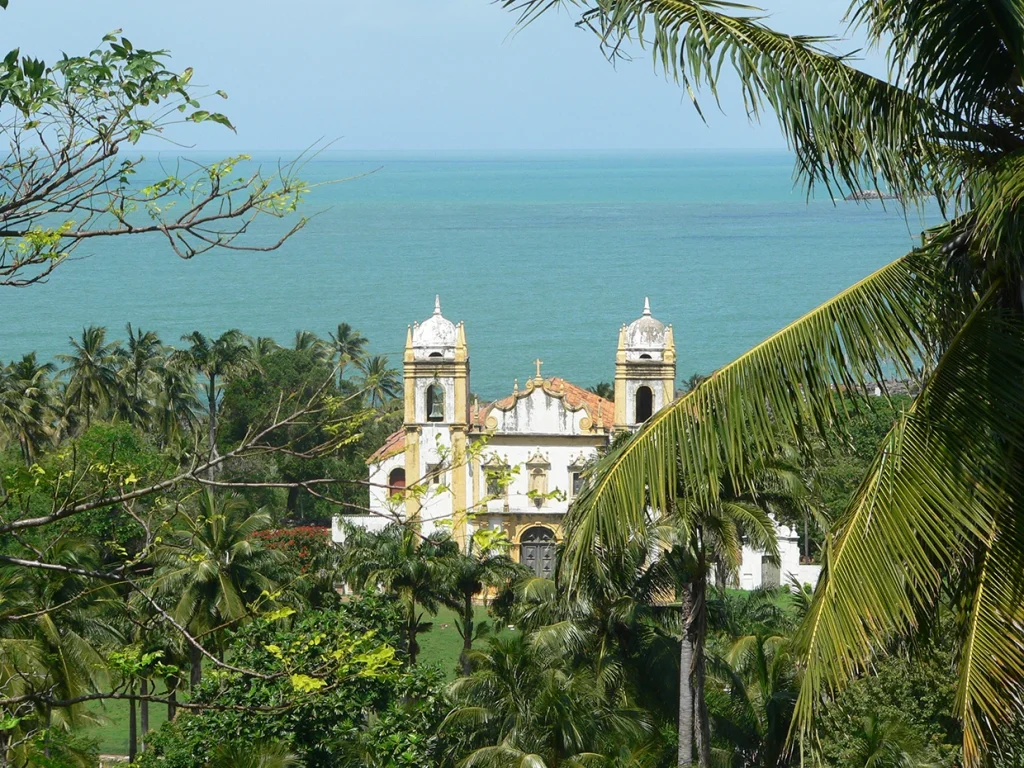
601,411
394,444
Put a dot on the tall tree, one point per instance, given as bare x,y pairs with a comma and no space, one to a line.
940,507
216,360
262,346
175,402
143,354
526,705
485,564
752,699
307,341
91,370
26,404
397,560
214,567
53,642
708,535
349,346
380,382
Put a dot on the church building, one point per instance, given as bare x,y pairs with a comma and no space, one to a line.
515,464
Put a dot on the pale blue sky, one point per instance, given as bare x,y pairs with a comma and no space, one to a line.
415,75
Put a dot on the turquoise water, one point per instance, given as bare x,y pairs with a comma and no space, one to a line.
541,255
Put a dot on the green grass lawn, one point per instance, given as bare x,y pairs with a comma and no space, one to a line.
112,729
441,646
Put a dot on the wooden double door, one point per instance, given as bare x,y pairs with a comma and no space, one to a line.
537,551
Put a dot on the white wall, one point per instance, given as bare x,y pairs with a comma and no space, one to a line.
657,387
562,456
750,574
369,522
539,413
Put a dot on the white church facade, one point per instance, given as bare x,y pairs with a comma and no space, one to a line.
516,464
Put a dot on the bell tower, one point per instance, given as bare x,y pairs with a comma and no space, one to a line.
436,373
645,370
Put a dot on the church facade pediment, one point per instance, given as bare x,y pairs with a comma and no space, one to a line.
541,408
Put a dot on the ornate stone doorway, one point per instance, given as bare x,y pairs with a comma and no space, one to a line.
537,551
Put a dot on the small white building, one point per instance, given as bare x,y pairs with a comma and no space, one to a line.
515,464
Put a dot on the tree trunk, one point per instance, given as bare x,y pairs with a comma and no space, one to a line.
49,722
133,729
807,539
195,659
172,698
699,625
467,638
213,424
721,578
685,753
291,505
144,712
412,634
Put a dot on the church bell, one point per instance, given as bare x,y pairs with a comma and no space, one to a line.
436,410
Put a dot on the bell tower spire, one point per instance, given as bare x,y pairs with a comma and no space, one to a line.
645,369
436,373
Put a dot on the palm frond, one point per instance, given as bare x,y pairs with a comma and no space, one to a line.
934,498
991,663
795,380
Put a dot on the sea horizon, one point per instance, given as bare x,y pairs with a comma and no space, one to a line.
541,253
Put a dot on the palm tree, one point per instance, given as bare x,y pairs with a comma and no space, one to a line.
262,346
525,706
258,755
91,369
143,354
694,381
752,704
26,404
22,661
939,508
708,535
349,347
214,567
307,341
216,360
885,744
398,561
175,402
485,564
57,651
379,383
603,389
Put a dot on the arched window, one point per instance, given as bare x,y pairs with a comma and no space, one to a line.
435,354
396,481
645,356
435,403
644,404
537,551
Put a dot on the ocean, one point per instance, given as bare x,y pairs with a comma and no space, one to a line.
542,255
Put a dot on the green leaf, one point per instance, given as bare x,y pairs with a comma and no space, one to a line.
306,684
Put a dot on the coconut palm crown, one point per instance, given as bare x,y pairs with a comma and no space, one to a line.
939,515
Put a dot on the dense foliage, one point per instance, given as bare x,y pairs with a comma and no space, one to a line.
338,695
